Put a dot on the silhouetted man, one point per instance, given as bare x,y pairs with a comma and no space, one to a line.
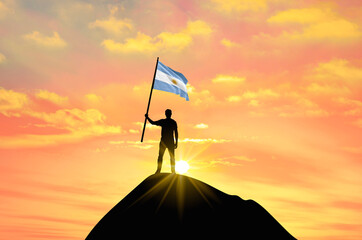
169,127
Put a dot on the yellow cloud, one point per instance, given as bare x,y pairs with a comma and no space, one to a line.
12,102
254,96
237,6
261,93
253,103
93,98
239,158
198,27
149,126
202,98
173,41
141,44
349,102
51,97
151,143
2,58
201,126
327,89
32,140
338,69
228,79
112,24
79,124
336,78
334,30
54,41
203,140
355,106
319,24
302,15
70,119
227,43
300,107
233,99
166,41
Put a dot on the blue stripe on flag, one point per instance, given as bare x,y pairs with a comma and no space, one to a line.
159,85
163,68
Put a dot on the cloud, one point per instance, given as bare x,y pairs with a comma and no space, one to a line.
52,97
302,16
173,41
147,144
334,30
203,98
354,106
93,98
253,103
201,126
327,89
142,43
227,43
2,58
336,77
318,24
136,144
11,102
228,79
233,99
232,161
238,6
198,27
77,124
112,24
300,107
86,121
338,69
167,41
149,126
203,140
261,93
238,159
54,41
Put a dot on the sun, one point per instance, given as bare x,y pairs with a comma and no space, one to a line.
182,167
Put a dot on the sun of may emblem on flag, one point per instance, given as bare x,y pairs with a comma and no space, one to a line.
174,81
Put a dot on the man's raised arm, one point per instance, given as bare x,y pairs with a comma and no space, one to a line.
149,119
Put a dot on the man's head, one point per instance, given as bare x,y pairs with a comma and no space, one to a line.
168,113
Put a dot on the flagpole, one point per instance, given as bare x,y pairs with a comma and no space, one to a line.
149,100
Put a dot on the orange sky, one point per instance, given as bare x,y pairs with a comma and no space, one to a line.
275,110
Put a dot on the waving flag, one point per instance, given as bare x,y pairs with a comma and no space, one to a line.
169,80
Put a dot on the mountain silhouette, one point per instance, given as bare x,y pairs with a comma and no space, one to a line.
167,206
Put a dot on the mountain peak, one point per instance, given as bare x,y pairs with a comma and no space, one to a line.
185,207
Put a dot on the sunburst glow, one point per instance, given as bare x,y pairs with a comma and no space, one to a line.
182,167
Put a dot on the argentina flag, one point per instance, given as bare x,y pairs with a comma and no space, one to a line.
169,80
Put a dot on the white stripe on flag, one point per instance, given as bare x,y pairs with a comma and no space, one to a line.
163,77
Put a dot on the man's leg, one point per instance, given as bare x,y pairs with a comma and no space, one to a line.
160,156
171,150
